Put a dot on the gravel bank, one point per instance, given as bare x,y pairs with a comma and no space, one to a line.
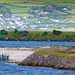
17,54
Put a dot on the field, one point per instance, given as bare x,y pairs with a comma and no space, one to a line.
19,8
22,7
60,51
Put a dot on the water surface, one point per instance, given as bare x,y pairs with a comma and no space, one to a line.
14,69
33,43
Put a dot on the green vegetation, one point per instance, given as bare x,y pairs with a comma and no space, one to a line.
3,32
55,1
37,35
5,11
61,53
56,32
41,15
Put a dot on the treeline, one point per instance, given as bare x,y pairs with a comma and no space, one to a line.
37,35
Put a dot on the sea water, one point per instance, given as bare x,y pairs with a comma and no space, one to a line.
14,69
34,43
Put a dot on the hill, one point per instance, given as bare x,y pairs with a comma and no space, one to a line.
40,15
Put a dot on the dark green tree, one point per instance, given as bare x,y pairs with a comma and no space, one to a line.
25,33
56,32
44,33
15,31
4,32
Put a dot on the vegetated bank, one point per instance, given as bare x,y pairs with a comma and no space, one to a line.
37,35
57,57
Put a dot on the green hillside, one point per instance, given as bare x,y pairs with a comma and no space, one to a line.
51,1
41,15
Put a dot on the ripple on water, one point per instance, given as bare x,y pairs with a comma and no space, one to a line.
14,69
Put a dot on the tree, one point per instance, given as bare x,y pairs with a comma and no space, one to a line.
56,32
15,31
4,32
25,33
44,33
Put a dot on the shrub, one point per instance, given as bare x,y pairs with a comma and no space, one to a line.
4,32
56,32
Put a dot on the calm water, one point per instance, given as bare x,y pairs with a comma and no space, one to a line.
33,43
14,69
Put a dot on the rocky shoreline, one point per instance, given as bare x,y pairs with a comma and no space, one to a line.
49,60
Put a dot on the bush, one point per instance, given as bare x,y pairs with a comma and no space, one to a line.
56,32
4,32
24,33
44,33
15,31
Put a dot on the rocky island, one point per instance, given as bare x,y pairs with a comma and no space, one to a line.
58,57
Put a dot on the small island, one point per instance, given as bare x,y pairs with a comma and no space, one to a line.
57,57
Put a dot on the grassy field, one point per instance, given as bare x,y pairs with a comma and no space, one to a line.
61,53
22,14
50,29
17,5
21,8
55,1
52,1
28,4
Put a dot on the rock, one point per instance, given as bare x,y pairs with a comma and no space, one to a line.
48,60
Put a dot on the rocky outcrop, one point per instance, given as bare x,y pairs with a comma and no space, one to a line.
48,60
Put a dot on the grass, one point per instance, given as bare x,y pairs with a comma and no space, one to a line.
55,1
19,8
22,14
7,1
38,1
27,4
49,29
67,30
61,53
34,19
72,11
72,20
15,9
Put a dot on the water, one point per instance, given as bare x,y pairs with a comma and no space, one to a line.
33,43
14,69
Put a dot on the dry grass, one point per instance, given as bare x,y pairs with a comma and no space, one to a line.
69,52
